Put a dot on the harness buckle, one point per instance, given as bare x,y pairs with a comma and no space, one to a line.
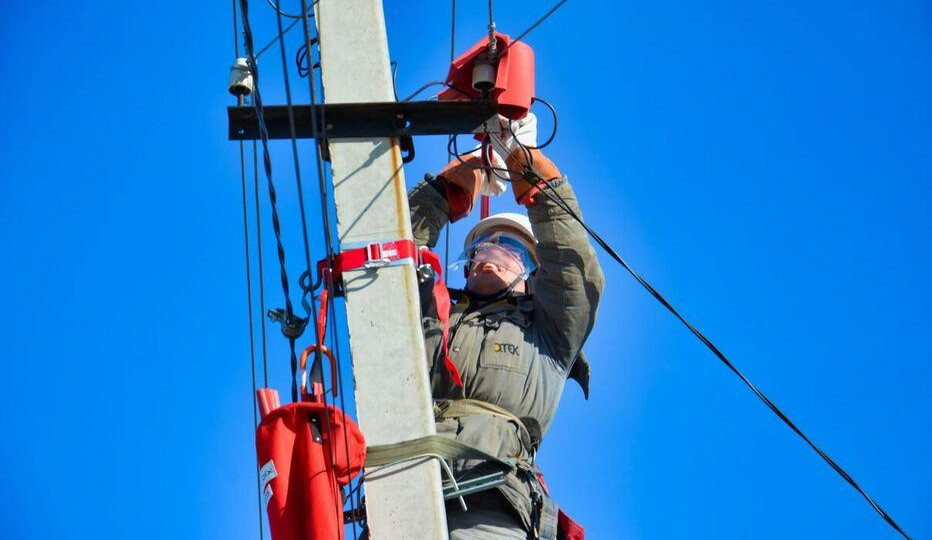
376,257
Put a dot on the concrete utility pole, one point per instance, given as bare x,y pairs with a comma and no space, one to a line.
393,397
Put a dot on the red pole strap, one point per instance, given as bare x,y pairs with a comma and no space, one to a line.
377,255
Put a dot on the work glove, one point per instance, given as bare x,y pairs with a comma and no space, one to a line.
493,181
534,176
462,183
513,132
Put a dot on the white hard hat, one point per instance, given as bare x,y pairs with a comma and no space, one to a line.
511,223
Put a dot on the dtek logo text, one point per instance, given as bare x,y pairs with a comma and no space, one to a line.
506,348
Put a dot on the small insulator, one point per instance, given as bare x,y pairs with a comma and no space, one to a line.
241,83
483,75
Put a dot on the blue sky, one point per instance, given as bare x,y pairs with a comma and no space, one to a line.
765,165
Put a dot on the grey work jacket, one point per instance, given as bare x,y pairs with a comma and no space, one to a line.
515,353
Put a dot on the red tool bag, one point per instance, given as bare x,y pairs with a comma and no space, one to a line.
306,451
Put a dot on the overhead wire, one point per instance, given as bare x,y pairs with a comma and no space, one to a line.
301,56
394,66
290,324
535,25
452,151
446,235
279,11
252,340
425,87
297,169
262,319
561,202
319,133
275,39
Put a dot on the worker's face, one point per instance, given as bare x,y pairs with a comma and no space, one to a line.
493,268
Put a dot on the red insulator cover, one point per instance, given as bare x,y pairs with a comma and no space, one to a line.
302,460
514,79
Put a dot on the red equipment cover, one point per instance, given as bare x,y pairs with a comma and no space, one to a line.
303,457
514,78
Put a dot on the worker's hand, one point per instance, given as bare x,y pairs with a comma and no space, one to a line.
493,180
514,134
537,171
462,183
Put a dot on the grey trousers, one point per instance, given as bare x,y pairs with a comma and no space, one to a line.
484,524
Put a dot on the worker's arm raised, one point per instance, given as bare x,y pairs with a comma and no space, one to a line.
440,199
569,281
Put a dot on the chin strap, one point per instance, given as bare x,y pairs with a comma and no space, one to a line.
498,295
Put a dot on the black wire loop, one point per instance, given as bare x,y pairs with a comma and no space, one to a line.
299,16
301,60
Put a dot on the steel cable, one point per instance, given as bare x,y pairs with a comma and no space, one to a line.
294,145
252,340
262,319
275,39
290,323
320,140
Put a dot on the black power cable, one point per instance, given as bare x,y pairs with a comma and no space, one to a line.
558,199
555,196
292,326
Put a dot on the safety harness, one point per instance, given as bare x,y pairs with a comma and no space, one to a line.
380,255
547,520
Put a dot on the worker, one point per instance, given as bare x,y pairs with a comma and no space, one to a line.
516,332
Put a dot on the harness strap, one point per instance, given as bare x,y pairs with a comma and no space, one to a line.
374,255
442,300
456,408
446,448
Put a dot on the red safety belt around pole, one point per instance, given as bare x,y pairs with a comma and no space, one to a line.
378,254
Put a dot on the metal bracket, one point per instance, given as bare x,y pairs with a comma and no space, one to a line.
361,120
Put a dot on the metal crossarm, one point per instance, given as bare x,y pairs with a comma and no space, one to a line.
354,120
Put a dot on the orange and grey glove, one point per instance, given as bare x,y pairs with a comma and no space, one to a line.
537,172
461,183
